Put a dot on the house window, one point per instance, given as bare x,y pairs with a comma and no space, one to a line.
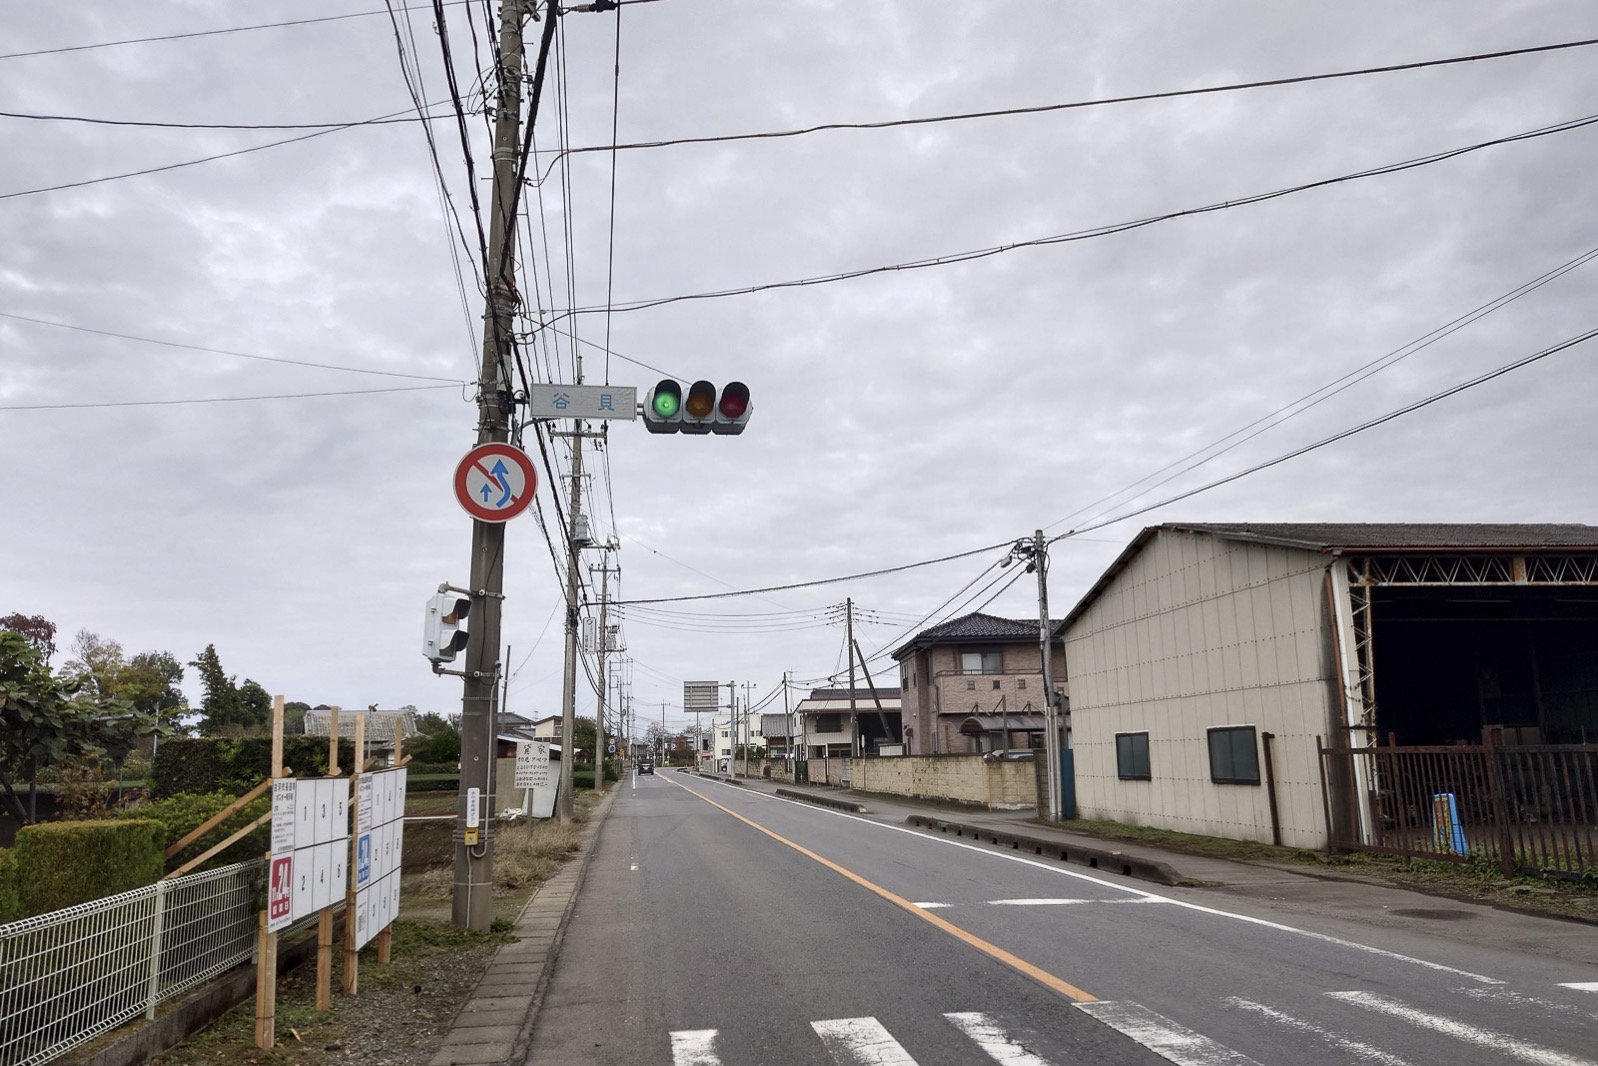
1132,756
981,662
829,723
1020,683
1234,756
971,686
995,682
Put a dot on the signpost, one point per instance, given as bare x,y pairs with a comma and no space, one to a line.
582,401
495,482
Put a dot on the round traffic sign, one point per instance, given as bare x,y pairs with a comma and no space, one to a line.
495,482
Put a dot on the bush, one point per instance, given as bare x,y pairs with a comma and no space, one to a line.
10,905
236,764
182,813
451,768
432,782
63,863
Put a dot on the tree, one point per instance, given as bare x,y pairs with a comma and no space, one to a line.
432,722
46,720
150,682
294,712
229,708
95,664
36,629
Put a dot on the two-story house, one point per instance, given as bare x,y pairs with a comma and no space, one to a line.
975,683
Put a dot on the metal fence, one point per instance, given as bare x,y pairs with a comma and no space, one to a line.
1530,808
70,975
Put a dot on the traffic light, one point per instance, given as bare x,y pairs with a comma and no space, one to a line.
442,632
663,408
701,409
733,409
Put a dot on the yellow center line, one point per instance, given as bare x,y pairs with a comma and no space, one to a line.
1015,962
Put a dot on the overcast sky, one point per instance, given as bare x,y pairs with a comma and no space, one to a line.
899,416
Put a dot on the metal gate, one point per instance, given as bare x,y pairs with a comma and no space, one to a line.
1531,808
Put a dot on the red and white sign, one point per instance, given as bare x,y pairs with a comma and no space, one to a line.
279,893
495,482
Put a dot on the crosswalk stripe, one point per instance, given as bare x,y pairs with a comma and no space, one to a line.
993,1040
932,906
694,1047
1357,1050
1061,902
1581,986
1162,1036
862,1042
1524,1050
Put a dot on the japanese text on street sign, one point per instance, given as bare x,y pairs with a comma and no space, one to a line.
582,401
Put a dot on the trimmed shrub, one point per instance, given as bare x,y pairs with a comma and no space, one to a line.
63,863
432,782
182,813
236,764
10,905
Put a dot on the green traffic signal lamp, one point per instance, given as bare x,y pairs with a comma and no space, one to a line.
663,408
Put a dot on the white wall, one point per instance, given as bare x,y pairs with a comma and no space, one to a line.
1200,632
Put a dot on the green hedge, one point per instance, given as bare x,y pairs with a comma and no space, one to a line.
236,764
431,782
184,812
63,863
10,905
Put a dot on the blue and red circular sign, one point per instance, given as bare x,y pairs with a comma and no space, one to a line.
495,482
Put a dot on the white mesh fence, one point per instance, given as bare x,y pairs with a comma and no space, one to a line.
70,975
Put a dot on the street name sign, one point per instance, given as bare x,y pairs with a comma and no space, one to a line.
582,401
495,482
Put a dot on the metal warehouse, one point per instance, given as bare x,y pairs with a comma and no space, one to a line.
1426,689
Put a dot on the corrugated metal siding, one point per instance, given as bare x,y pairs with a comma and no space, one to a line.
1200,632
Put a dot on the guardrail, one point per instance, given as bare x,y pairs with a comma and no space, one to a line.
70,975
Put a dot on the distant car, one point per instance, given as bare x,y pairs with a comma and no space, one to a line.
646,766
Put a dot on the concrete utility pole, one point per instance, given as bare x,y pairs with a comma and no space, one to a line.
854,712
473,905
1052,739
568,714
603,645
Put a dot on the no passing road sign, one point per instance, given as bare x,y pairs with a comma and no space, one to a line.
495,482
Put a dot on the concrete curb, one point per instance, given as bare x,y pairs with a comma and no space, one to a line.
495,1024
822,800
1104,859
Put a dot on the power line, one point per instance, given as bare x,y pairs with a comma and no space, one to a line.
208,159
1107,230
150,124
1343,435
1006,112
224,351
206,33
217,399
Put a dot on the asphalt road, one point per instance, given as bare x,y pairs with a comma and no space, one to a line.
724,927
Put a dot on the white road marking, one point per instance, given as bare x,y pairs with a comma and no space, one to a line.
1581,986
933,906
1356,1050
1524,1050
1522,1002
635,866
1061,902
694,1047
1265,923
993,1040
862,1042
1162,1036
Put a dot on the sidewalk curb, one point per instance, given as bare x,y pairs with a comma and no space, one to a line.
822,800
1104,859
495,1024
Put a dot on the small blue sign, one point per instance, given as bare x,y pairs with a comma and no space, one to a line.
1447,833
363,860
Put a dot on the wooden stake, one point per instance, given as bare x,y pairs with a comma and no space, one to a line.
332,742
324,959
266,944
385,945
352,957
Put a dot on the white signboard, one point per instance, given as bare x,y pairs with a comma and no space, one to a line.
582,401
310,834
532,765
379,835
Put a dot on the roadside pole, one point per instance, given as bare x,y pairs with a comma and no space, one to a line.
1052,739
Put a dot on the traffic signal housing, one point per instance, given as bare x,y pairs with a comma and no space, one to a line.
701,408
663,408
443,632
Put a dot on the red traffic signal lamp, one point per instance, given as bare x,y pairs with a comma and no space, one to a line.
701,408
